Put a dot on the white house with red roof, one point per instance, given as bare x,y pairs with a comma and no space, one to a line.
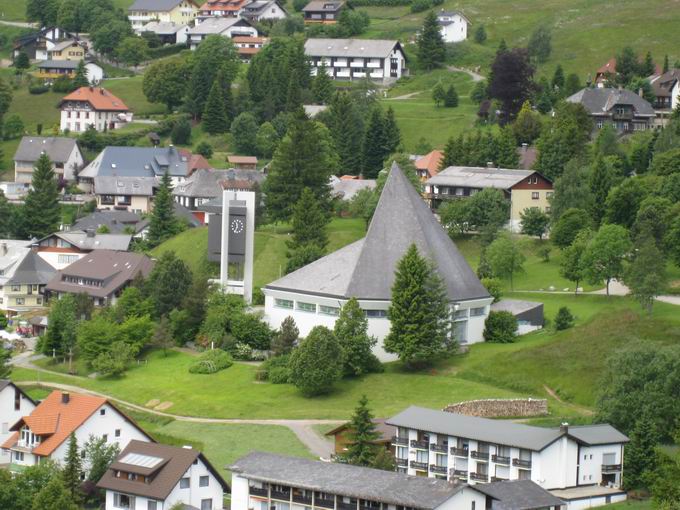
14,404
44,433
92,106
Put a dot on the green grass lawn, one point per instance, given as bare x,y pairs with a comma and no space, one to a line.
36,108
130,91
632,504
13,10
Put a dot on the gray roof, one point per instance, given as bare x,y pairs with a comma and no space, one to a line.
163,27
12,252
66,44
500,431
206,183
479,177
217,25
312,110
183,213
601,101
518,495
346,480
58,148
58,64
137,186
347,188
154,5
32,270
138,162
116,221
365,269
371,48
88,241
321,5
514,306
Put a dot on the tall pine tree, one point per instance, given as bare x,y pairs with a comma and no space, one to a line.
347,129
375,144
600,184
431,50
507,155
215,119
363,435
163,224
392,133
641,453
80,79
73,469
453,152
322,87
41,211
309,222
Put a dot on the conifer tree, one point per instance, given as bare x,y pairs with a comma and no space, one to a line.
451,97
392,133
418,313
438,93
347,129
294,96
309,222
375,143
215,119
362,450
322,86
41,210
6,223
600,184
72,469
641,453
80,78
480,34
285,339
163,224
452,153
558,78
506,145
431,50
646,276
351,330
666,64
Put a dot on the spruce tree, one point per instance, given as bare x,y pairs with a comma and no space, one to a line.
347,129
507,155
480,34
309,222
438,93
666,64
431,50
322,86
351,330
600,184
41,210
6,224
362,449
375,143
452,153
418,313
215,119
163,223
72,469
641,453
558,79
392,133
294,95
286,338
451,97
80,79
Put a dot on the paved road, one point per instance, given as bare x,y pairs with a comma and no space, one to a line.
19,24
475,76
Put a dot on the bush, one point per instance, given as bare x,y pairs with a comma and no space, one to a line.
3,320
63,84
249,329
275,370
493,285
38,89
204,149
500,327
211,362
241,351
181,132
564,319
420,5
316,364
258,296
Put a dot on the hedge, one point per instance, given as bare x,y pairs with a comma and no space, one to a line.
211,361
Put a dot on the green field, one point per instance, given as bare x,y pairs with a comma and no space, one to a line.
130,91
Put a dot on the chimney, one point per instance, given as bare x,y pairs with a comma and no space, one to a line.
65,397
641,92
89,232
564,427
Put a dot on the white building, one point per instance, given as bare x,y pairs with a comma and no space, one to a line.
167,31
453,26
225,27
14,404
61,249
351,59
92,106
263,9
63,152
151,476
453,446
44,433
314,294
265,481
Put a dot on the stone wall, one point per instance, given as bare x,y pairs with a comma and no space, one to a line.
500,408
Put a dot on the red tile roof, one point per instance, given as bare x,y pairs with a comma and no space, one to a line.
248,39
98,97
430,162
248,160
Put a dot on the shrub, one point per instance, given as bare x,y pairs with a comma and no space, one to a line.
3,320
250,329
204,149
38,89
493,285
564,319
243,352
211,361
181,132
500,327
316,364
420,5
275,370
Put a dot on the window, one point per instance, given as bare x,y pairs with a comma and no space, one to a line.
19,456
123,500
184,483
376,314
329,310
402,452
105,437
283,303
117,433
534,195
476,312
20,301
152,505
203,481
460,314
306,307
15,288
422,456
206,504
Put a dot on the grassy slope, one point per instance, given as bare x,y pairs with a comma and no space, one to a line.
130,91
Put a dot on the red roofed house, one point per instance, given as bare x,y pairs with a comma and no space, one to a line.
221,8
92,106
243,162
428,165
196,161
247,46
44,434
607,73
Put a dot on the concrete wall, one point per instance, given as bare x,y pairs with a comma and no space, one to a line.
499,408
591,502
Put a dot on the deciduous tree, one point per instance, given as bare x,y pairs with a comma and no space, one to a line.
646,276
168,283
605,254
572,266
166,82
511,80
534,222
506,258
316,364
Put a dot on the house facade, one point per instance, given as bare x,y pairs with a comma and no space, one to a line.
453,26
134,194
14,404
62,249
142,12
168,32
23,277
351,59
38,44
623,109
476,450
323,12
152,476
64,153
92,106
223,26
428,165
50,70
260,10
247,47
523,188
44,433
70,49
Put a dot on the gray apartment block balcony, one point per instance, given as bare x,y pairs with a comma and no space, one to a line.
420,445
500,459
521,463
459,452
400,441
479,455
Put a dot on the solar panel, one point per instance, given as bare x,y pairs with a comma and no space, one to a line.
137,459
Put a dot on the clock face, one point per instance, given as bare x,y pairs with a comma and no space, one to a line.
237,226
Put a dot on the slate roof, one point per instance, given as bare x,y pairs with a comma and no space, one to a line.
365,269
138,162
164,476
217,25
93,241
370,48
125,185
58,148
514,306
325,6
501,431
58,64
663,85
518,495
163,27
12,252
32,270
202,184
116,221
479,177
154,5
601,101
347,480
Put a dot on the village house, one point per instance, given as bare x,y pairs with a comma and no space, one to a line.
453,26
260,10
196,161
114,221
152,476
428,165
69,49
475,450
205,206
50,70
64,248
342,436
44,433
247,46
623,109
142,12
221,9
101,274
92,106
666,88
64,153
606,75
125,193
264,481
224,26
325,12
314,294
350,59
23,277
14,404
523,188
242,162
168,32
38,44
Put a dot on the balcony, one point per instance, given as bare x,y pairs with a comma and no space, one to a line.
611,468
521,463
420,445
400,441
441,448
500,459
256,491
459,452
479,455
324,503
282,495
479,477
402,462
459,473
422,466
357,64
302,499
346,506
440,470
